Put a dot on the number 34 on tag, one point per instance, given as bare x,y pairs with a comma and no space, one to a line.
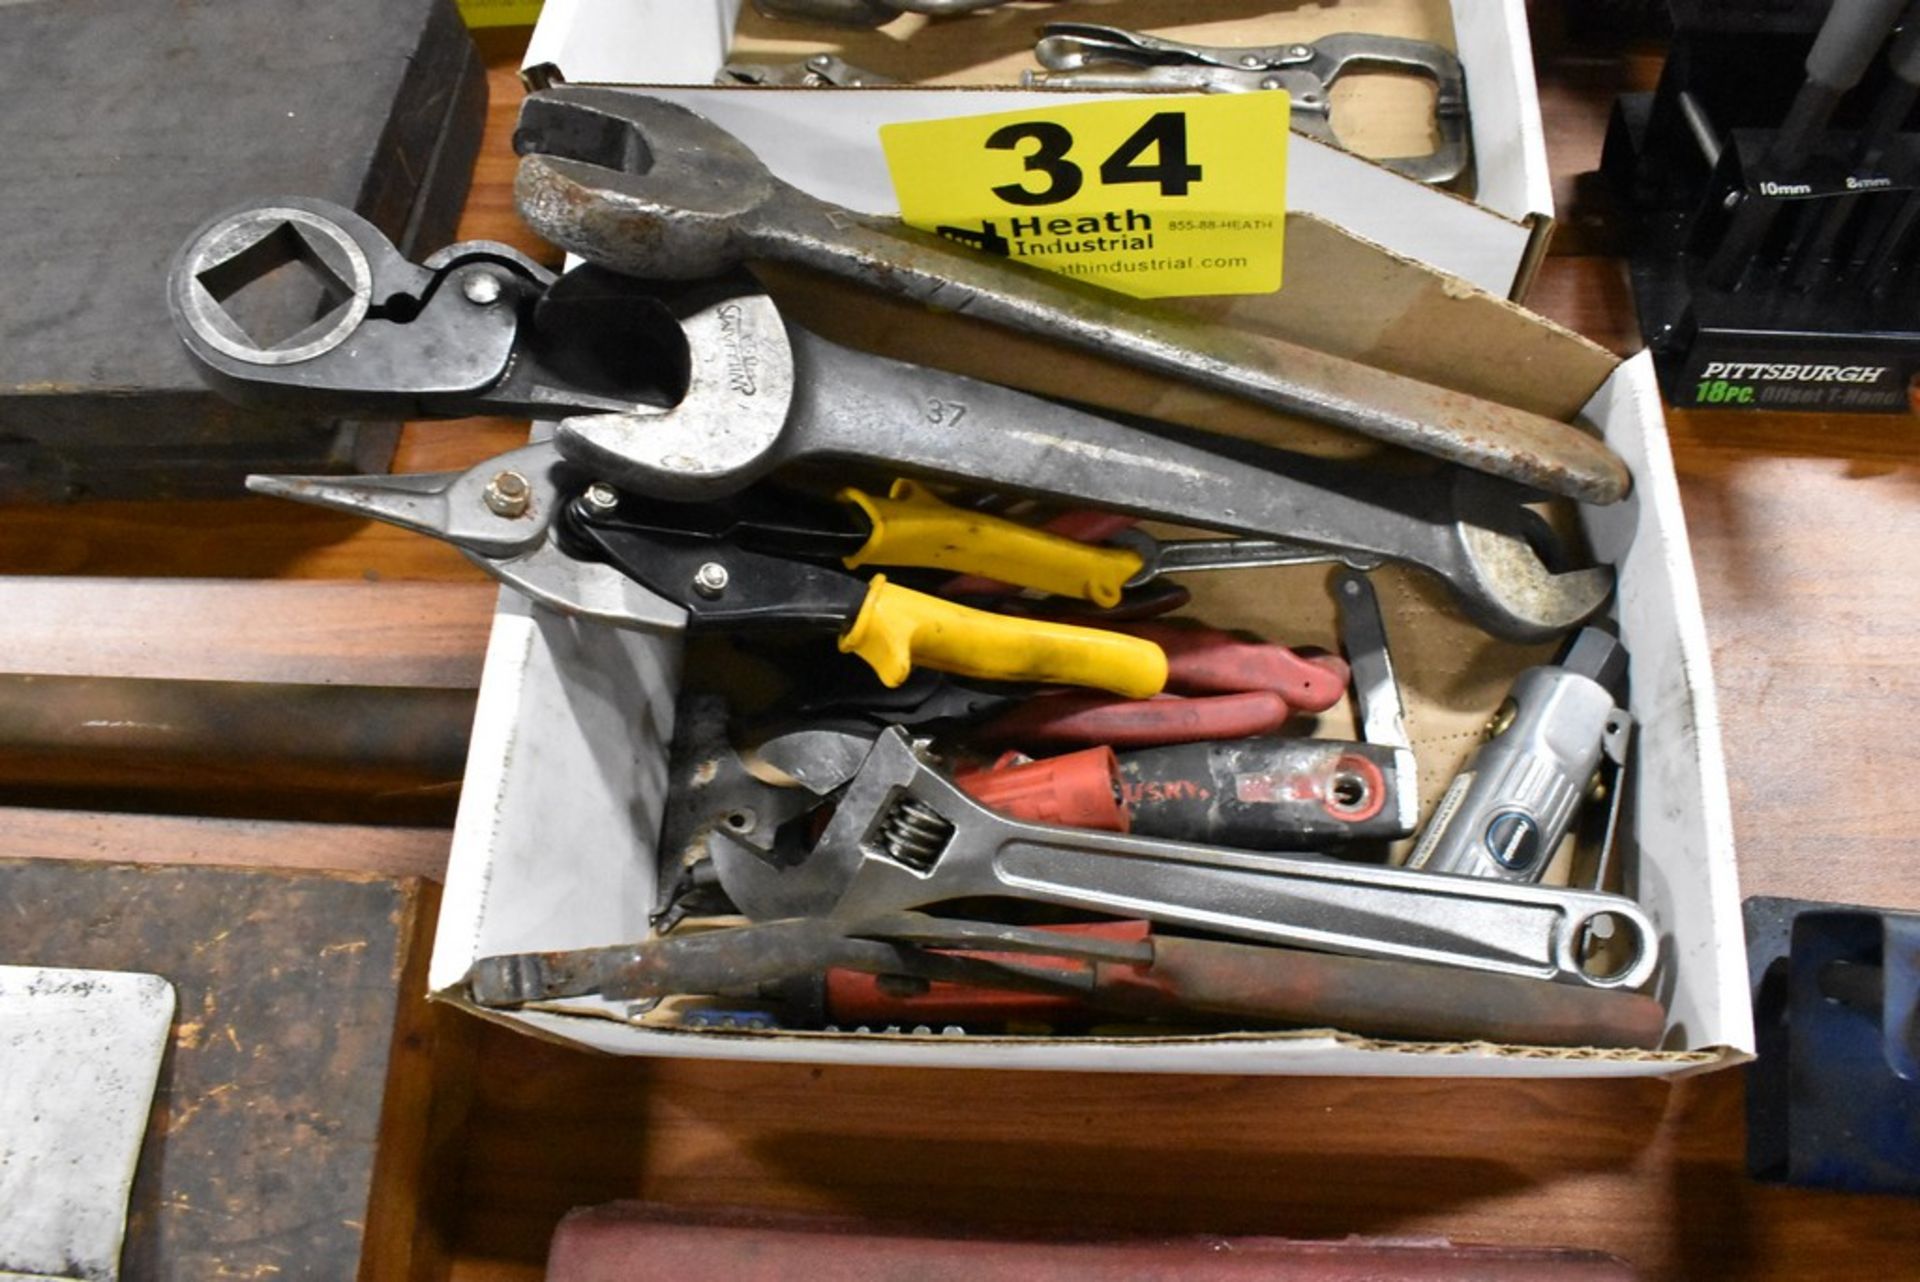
1152,197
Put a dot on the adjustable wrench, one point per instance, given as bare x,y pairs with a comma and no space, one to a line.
645,187
763,393
904,837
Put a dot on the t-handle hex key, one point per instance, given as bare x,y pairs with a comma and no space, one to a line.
646,187
904,837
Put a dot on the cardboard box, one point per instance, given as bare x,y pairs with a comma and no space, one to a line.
1494,240
554,843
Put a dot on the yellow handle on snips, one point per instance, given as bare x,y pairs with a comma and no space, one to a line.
898,628
913,527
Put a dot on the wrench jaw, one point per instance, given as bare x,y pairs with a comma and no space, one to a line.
723,433
1501,579
885,838
628,182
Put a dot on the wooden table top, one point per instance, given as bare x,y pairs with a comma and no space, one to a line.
1805,532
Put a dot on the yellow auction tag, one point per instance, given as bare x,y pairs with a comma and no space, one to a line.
1152,196
499,13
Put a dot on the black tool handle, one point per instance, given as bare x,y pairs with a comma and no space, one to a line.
1891,108
1840,56
1263,794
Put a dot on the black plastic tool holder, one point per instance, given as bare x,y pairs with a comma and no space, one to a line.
1833,1099
1822,311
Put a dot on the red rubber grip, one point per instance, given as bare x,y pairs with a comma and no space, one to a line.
1077,717
1204,660
856,998
1077,790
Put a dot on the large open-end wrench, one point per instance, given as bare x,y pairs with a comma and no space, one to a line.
762,393
905,837
646,187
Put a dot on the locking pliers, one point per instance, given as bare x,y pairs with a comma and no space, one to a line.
1087,55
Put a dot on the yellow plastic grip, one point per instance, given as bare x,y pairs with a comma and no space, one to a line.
898,628
913,527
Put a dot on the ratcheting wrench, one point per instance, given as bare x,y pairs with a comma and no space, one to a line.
695,392
905,837
1087,55
646,187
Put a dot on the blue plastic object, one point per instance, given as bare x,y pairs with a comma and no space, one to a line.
1833,1100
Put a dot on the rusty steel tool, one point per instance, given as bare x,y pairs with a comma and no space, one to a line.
694,392
649,188
903,837
1116,968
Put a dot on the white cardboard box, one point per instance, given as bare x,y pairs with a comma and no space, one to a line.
811,136
554,843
